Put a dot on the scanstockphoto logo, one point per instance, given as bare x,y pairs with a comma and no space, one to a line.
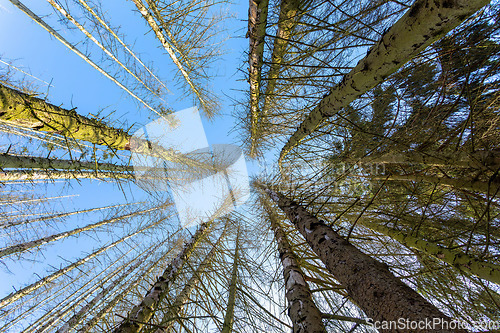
432,324
172,155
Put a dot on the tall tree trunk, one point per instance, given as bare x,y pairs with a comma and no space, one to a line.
73,48
491,188
57,216
99,44
72,299
32,244
302,310
32,162
48,279
288,19
227,326
457,259
423,24
143,312
77,317
171,52
22,109
369,283
108,28
477,160
111,304
257,22
24,176
176,307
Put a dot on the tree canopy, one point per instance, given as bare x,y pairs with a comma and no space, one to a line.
369,132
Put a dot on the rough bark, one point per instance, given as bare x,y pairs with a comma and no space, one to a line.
143,312
176,307
27,111
227,326
369,283
424,23
302,310
257,21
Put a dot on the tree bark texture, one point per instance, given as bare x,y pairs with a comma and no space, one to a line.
424,23
369,283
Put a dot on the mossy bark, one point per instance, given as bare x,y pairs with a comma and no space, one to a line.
424,23
369,283
491,188
24,110
32,162
457,259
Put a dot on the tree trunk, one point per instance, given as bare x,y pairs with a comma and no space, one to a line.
108,28
48,279
457,259
32,244
31,162
24,110
491,188
57,216
476,160
143,312
369,283
110,305
170,50
73,48
77,317
289,16
257,21
182,298
423,24
227,326
302,310
99,44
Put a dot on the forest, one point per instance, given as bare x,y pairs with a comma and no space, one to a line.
347,156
